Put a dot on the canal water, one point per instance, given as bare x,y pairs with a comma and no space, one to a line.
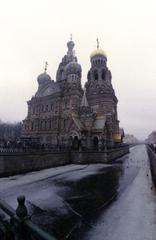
96,201
83,197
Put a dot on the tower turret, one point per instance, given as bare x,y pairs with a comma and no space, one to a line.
44,78
99,71
69,57
99,90
73,74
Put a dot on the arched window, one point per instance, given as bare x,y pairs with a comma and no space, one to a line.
49,124
51,107
75,143
64,124
45,125
95,142
32,126
103,74
96,77
66,103
41,125
89,76
61,73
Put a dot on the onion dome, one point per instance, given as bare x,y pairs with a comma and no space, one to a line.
98,52
73,68
43,78
70,45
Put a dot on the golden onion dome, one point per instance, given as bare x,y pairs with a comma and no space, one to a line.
98,52
117,138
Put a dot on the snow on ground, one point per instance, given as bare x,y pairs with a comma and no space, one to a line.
39,187
22,179
133,215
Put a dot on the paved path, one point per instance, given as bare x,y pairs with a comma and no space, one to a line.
133,215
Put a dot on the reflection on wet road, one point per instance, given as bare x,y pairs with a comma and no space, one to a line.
133,215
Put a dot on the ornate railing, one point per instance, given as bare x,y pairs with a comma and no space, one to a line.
19,226
57,149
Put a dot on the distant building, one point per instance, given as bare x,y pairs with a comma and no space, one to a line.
130,139
9,133
152,138
62,113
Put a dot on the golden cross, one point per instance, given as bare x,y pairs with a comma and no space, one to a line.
97,42
71,37
45,68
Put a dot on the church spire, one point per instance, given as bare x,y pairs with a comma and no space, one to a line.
71,51
84,102
70,45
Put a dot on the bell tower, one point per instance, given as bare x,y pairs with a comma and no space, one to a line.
99,90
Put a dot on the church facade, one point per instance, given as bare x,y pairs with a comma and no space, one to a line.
62,113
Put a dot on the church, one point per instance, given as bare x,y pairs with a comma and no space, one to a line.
62,113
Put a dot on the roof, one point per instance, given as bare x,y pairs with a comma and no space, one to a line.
48,89
84,102
77,122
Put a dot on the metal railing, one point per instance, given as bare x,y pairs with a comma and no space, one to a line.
19,226
57,149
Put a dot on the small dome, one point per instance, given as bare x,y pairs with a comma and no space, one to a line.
98,52
70,45
73,68
43,77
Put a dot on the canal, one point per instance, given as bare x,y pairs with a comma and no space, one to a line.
93,201
133,215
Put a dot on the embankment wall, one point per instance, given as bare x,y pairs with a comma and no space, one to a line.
152,158
17,163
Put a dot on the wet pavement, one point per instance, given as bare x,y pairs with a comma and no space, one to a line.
133,215
95,201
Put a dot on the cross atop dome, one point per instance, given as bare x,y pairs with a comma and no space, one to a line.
98,51
71,37
46,65
97,40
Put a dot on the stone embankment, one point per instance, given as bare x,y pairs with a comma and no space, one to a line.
16,163
152,158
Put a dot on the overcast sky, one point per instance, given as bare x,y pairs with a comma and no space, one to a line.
35,31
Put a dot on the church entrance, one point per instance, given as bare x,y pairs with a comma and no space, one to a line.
95,143
75,143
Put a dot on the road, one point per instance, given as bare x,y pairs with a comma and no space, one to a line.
61,199
133,215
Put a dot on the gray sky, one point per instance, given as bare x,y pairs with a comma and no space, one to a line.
35,31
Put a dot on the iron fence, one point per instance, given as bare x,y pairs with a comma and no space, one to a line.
19,225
